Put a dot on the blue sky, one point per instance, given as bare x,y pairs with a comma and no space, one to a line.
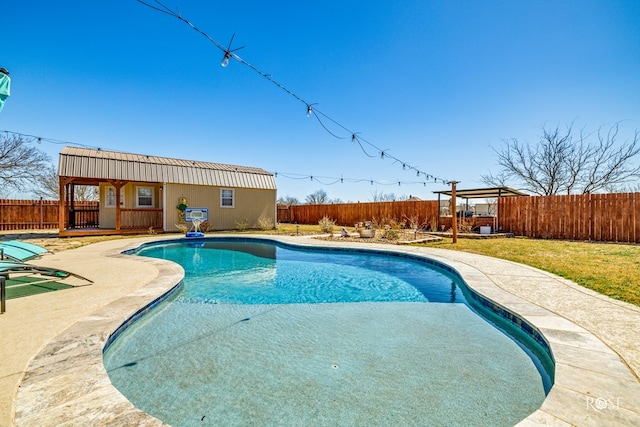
436,83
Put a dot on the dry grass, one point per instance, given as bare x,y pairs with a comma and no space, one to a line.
608,268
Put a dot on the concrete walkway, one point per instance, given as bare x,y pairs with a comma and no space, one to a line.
52,343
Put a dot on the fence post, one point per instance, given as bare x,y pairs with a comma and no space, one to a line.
3,294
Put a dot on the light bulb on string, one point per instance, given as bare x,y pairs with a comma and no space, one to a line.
228,51
225,59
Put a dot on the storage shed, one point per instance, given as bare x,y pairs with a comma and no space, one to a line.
143,193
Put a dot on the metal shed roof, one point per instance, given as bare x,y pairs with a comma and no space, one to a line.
484,193
94,164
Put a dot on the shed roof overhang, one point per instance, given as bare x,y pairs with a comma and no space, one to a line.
484,193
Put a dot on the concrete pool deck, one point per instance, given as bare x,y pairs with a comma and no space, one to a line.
51,370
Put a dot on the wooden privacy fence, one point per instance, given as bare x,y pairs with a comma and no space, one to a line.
421,212
613,217
33,214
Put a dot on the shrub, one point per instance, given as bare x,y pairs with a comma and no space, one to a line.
265,223
326,224
390,233
242,224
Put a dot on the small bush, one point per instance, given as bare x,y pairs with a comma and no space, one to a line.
326,224
242,224
390,233
265,223
387,222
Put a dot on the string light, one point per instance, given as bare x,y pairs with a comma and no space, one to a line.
320,116
225,60
40,139
331,180
228,52
325,180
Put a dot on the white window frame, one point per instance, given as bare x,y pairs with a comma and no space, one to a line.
107,199
233,198
138,205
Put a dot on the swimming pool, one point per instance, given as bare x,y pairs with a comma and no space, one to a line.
375,339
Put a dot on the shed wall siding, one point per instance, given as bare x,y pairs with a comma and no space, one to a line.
250,205
107,215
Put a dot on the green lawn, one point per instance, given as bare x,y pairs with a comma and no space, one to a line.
609,268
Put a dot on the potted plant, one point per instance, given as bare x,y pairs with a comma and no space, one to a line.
182,205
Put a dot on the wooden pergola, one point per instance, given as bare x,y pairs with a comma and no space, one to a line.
476,193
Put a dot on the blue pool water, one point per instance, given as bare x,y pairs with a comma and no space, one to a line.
265,334
262,273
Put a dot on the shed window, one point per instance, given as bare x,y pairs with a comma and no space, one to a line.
144,197
227,198
110,199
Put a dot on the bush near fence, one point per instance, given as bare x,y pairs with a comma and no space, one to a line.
34,214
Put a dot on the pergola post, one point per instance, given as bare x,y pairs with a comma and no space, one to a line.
454,216
438,220
118,186
62,204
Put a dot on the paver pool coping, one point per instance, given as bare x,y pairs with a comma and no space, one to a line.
593,339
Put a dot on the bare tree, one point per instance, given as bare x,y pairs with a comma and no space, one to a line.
379,196
317,198
288,201
47,186
568,162
20,163
499,180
